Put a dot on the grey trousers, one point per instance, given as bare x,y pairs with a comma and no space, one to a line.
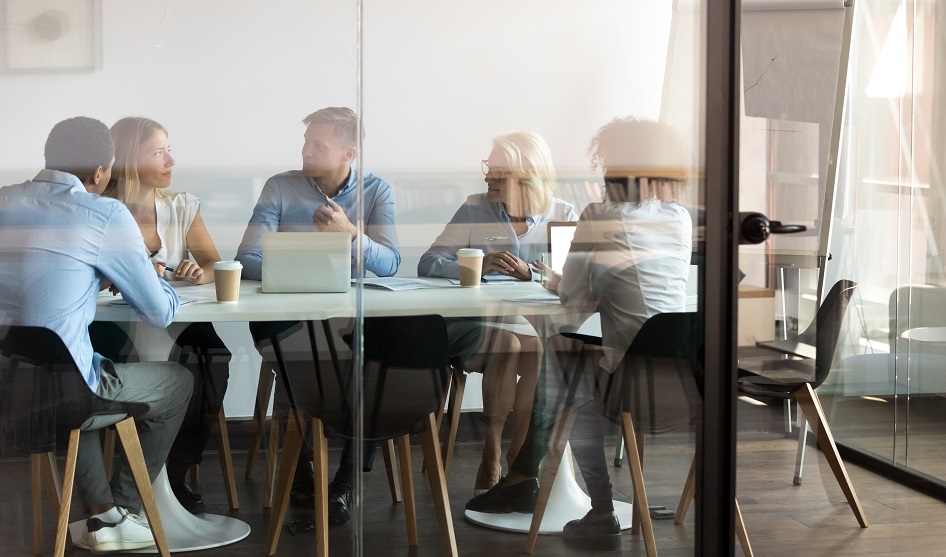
166,388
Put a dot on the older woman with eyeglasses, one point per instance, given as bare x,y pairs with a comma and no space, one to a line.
509,222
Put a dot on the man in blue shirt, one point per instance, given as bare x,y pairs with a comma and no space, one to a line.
322,197
60,243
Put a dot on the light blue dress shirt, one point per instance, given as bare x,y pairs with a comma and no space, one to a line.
289,200
480,223
57,242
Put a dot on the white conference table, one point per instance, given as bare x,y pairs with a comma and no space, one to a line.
567,502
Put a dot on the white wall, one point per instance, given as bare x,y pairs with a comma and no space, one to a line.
231,80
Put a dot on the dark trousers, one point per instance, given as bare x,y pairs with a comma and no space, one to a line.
200,350
587,434
290,339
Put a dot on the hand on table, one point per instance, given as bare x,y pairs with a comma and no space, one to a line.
188,270
332,218
551,277
505,263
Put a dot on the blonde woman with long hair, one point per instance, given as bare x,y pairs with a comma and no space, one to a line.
181,249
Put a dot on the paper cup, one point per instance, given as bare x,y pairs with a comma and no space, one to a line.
227,280
471,266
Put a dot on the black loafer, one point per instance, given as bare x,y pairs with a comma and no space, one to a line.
501,499
594,532
193,502
339,503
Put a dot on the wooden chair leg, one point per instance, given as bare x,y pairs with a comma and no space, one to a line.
272,454
637,474
36,483
387,451
108,452
442,417
810,404
553,459
741,533
636,511
195,473
295,429
453,418
438,486
689,491
320,464
264,389
52,484
62,523
128,434
226,461
407,480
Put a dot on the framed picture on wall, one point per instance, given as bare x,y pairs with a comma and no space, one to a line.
50,35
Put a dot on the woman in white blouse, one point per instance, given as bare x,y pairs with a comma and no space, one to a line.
181,248
509,222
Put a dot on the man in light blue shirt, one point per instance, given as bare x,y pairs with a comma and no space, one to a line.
60,243
321,197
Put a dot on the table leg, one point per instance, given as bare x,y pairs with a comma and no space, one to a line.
567,502
184,531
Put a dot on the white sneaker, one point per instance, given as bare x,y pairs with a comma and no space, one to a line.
131,532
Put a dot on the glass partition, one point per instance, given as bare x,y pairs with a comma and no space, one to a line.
466,236
888,398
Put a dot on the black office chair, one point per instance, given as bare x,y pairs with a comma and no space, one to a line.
268,336
781,376
667,344
42,389
406,369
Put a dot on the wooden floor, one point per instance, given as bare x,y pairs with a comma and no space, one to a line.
782,520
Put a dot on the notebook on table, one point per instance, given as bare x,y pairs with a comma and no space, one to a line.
306,262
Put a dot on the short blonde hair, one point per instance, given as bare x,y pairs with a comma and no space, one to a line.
530,162
128,134
343,118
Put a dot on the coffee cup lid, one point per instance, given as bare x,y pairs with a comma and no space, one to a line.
227,266
469,252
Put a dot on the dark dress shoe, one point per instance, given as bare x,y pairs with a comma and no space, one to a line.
339,503
601,532
501,499
193,502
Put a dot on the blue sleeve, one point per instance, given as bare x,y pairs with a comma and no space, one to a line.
265,219
440,260
123,260
382,255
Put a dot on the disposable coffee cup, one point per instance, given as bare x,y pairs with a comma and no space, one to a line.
471,266
227,280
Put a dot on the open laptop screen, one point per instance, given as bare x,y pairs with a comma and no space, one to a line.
306,262
560,240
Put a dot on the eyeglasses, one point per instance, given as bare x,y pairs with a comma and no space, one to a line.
487,169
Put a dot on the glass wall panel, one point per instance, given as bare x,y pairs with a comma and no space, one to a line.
500,127
890,207
481,225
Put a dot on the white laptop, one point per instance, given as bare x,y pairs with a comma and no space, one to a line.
306,262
